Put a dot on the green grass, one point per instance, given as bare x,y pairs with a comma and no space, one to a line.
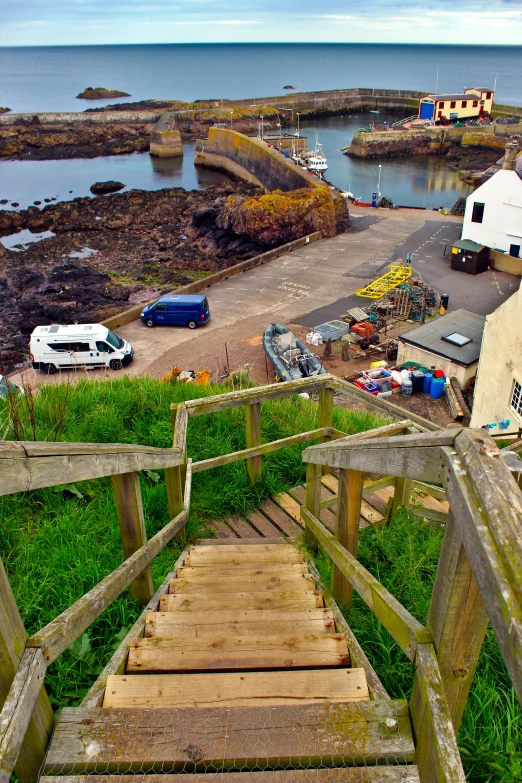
403,556
55,545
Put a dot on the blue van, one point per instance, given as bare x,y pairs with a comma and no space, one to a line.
177,310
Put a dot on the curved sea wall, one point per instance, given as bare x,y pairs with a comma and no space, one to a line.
252,160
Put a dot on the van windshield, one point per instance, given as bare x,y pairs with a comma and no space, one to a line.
114,340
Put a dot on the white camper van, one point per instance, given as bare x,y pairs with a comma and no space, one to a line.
78,345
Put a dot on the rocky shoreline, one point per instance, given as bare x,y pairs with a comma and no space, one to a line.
110,251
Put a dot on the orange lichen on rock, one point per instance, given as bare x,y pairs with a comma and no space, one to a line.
277,217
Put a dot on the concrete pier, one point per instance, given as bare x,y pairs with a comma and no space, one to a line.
165,138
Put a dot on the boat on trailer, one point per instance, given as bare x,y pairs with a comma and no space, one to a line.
291,358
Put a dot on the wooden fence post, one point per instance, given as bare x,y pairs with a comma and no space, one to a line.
458,621
12,644
253,438
325,419
175,477
402,494
347,527
127,494
313,498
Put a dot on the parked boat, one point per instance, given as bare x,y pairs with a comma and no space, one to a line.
291,358
374,111
315,160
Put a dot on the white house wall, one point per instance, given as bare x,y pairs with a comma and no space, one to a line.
499,367
502,222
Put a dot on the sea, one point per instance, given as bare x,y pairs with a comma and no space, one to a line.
37,79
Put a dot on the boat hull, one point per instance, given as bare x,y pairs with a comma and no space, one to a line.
297,361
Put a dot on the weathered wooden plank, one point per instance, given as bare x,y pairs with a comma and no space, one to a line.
168,625
281,517
397,428
241,528
179,434
222,542
209,739
223,402
194,573
263,525
245,689
223,556
440,517
118,662
223,531
409,441
12,645
175,477
402,494
372,486
257,451
18,708
430,489
347,528
437,757
288,600
313,499
243,583
22,475
379,774
293,649
405,629
357,656
129,508
290,506
55,637
36,448
253,439
489,561
227,616
263,546
422,463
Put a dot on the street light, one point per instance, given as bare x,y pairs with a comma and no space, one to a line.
379,182
279,126
262,130
297,124
231,113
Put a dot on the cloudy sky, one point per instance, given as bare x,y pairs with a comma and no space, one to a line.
55,22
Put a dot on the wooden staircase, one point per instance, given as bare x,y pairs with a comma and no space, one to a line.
240,671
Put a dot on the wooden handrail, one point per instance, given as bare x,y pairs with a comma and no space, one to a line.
33,465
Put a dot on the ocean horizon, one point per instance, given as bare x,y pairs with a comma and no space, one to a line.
47,78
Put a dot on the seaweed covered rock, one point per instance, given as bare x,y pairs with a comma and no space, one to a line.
458,207
95,93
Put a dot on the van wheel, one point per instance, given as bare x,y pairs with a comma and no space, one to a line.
150,323
49,369
116,364
192,324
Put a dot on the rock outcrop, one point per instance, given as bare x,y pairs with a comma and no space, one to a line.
111,186
98,93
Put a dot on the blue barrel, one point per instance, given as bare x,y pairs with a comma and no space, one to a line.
426,386
437,387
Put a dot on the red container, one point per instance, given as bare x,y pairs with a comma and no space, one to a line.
438,374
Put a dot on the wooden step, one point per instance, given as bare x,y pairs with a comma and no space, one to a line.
119,741
223,556
292,649
166,625
245,689
241,528
238,616
251,583
285,521
277,540
200,602
194,572
379,774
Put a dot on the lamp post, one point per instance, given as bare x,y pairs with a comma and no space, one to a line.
231,113
262,131
297,124
279,126
379,182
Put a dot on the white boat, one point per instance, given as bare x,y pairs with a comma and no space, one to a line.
315,160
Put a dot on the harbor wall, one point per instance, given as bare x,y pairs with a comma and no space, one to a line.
251,159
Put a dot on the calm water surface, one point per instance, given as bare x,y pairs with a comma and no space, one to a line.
49,78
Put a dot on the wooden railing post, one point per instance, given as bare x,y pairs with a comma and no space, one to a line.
127,494
347,527
402,494
12,644
313,499
458,622
326,400
175,476
253,438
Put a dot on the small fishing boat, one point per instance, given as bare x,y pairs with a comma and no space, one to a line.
374,111
315,160
291,358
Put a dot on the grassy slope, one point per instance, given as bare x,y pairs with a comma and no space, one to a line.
56,546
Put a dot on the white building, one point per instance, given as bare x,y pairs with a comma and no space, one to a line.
493,216
497,398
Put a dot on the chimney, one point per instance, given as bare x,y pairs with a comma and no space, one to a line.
510,158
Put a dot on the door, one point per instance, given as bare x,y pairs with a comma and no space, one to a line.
160,313
426,111
514,250
103,353
82,355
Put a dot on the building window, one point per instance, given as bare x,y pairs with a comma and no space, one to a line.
441,105
516,398
478,212
488,96
464,104
453,104
475,104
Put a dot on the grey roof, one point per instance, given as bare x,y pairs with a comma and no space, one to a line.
429,336
457,97
482,89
